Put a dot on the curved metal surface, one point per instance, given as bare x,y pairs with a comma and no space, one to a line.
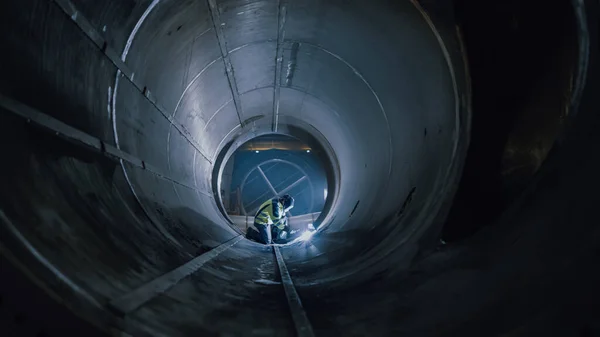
114,118
172,52
385,87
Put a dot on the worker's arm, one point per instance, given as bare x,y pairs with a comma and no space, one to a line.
283,221
277,211
281,231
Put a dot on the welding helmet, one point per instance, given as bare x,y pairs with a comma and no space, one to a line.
287,201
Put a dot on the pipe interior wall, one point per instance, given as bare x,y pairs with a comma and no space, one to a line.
386,86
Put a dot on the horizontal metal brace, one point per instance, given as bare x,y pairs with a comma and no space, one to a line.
81,138
135,299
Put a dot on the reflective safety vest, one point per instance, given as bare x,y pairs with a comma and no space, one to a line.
270,212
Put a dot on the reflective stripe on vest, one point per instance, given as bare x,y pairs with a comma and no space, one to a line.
280,225
265,214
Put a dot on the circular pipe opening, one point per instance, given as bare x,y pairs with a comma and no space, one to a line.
382,86
293,128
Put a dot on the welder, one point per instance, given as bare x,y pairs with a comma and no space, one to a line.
271,213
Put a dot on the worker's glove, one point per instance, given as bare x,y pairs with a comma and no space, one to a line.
282,221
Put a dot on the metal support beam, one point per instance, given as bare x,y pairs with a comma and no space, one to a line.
303,326
262,173
279,61
86,27
88,142
135,299
82,139
217,24
294,184
277,161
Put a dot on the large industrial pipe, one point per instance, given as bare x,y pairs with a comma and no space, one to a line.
119,116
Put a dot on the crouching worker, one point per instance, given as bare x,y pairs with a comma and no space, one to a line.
271,212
